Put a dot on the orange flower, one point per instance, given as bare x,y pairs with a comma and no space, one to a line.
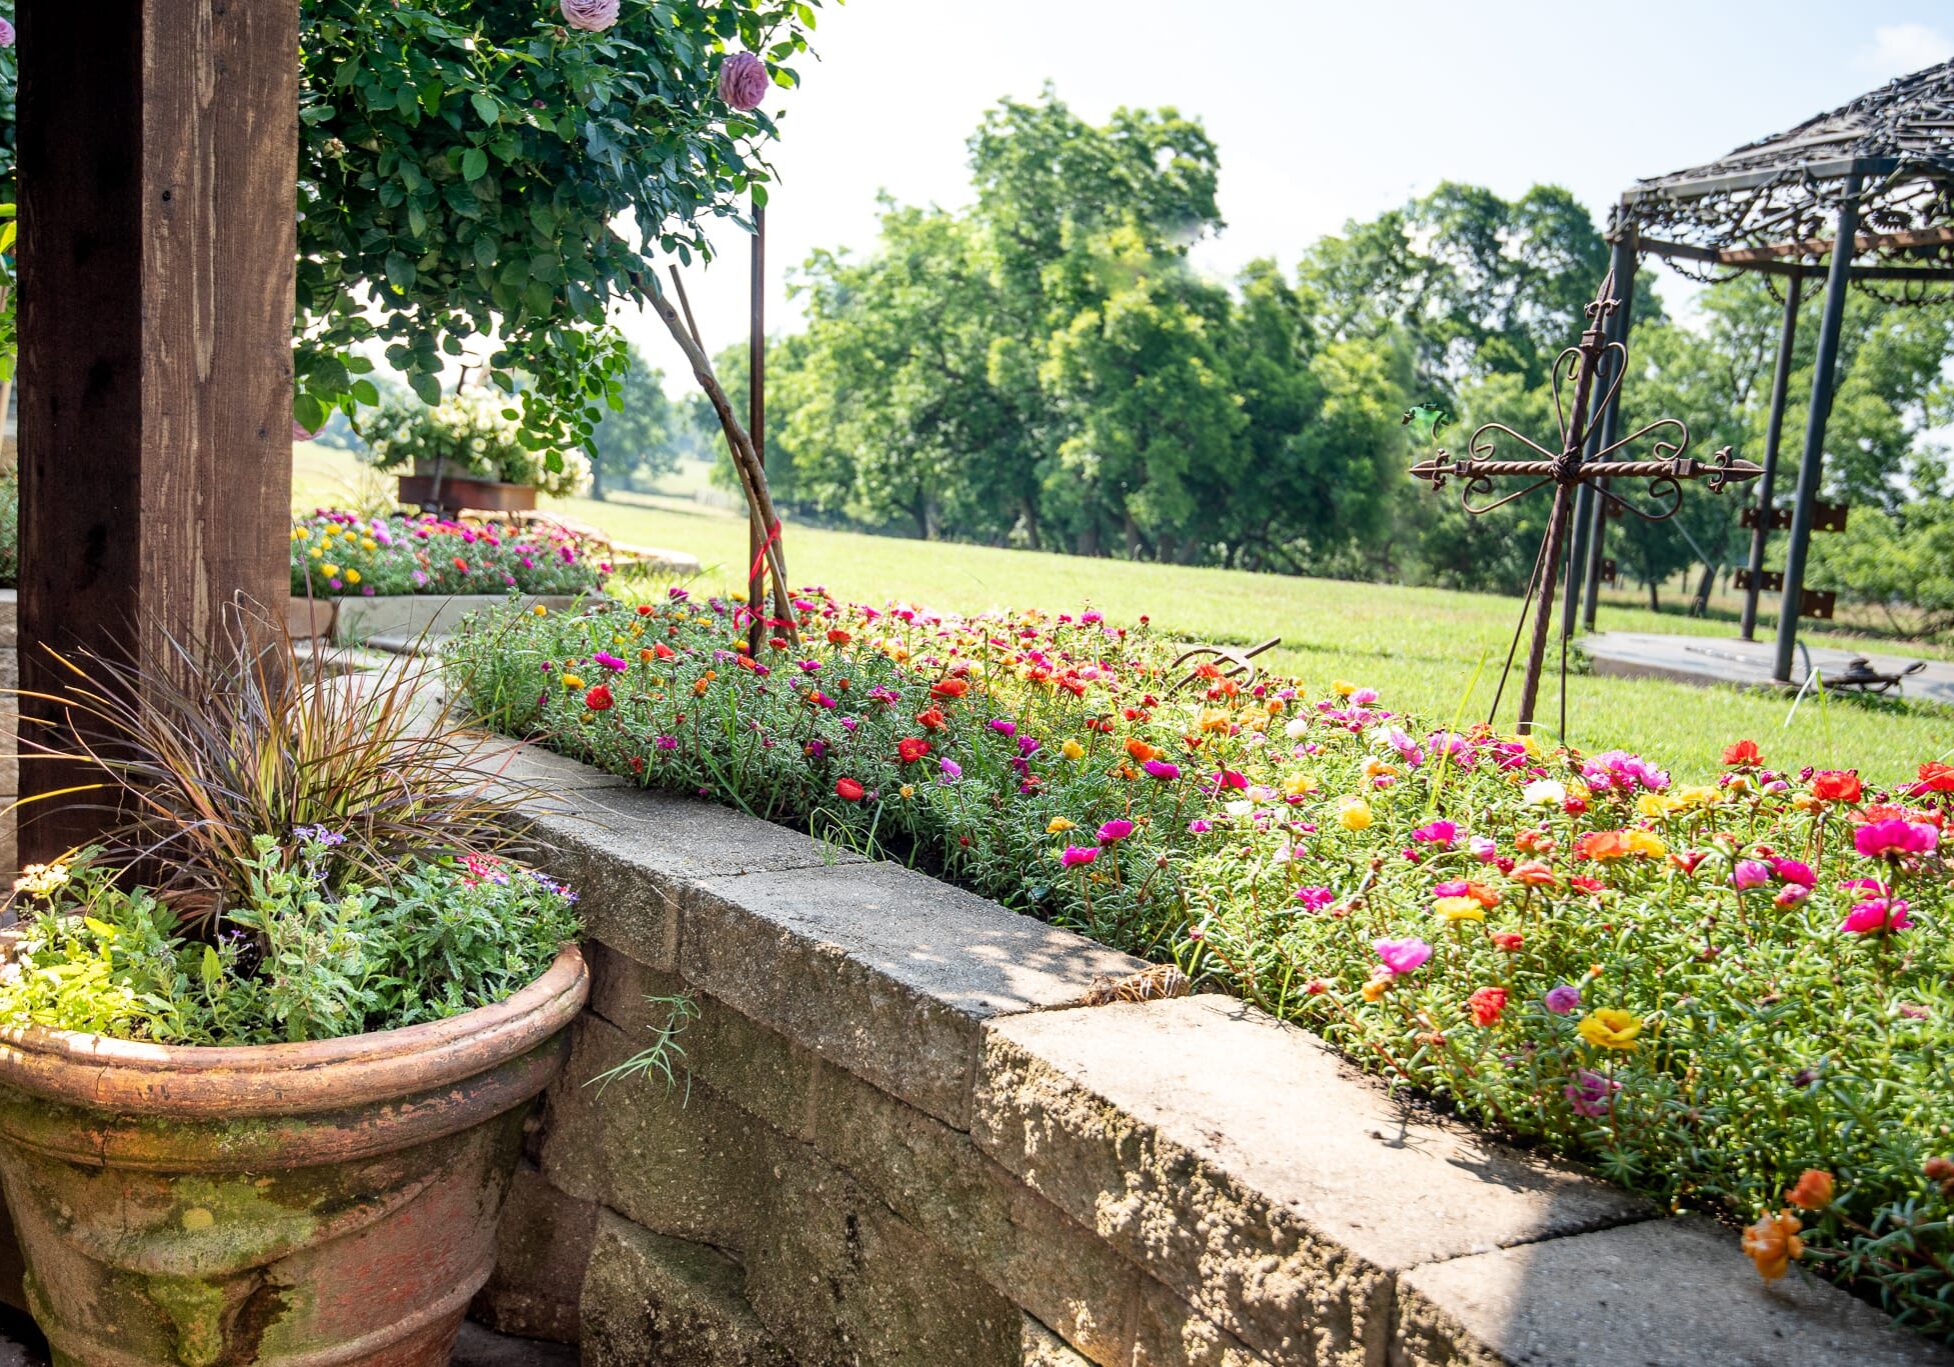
1534,842
1836,785
1743,752
1140,750
949,688
1813,1191
1534,874
1773,1243
1602,845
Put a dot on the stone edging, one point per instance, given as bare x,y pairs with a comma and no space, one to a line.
902,1140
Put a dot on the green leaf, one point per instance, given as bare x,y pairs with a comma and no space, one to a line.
474,164
427,386
365,392
486,108
212,968
400,272
308,412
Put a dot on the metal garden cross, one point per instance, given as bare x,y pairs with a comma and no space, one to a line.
1570,468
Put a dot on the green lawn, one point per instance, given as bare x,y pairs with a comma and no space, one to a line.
1420,647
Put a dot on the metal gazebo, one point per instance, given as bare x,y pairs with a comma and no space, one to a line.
1876,175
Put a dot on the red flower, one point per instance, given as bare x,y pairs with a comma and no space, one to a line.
637,764
662,651
838,637
949,688
1582,883
598,699
1486,1005
1935,777
849,791
931,719
1836,785
912,748
1508,942
1743,754
644,609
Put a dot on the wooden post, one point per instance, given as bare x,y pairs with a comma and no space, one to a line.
158,147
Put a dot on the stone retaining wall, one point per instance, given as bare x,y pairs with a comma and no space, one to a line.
899,1139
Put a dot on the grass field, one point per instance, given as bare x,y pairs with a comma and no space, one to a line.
1429,651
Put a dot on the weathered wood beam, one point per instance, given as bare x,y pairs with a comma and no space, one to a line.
158,147
1689,251
1822,246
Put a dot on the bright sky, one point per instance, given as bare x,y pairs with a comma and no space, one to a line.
1322,110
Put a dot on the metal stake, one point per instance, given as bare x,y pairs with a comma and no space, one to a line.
1767,482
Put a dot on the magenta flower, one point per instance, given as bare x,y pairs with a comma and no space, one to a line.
1115,830
1795,871
949,770
1315,899
1483,849
1077,855
1790,895
592,16
1441,833
1199,827
610,662
1591,1094
1162,770
1876,916
1402,956
1894,837
743,78
1750,873
1003,727
1564,1000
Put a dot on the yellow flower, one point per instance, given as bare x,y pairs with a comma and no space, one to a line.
1072,750
1058,825
1375,988
572,681
1646,843
1213,719
1343,688
1610,1028
540,610
1698,795
1375,768
352,576
1354,814
329,571
1654,805
367,543
907,791
317,552
1460,909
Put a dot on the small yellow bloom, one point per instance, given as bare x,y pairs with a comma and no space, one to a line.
573,681
1455,909
1610,1028
540,610
1213,719
1300,785
330,571
1354,814
1375,988
1646,843
1072,750
352,576
317,552
1343,688
1375,768
41,880
907,791
1058,825
367,543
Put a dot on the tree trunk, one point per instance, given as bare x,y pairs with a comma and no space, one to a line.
1655,603
1031,524
1701,607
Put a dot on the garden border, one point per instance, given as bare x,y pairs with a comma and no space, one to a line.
900,1137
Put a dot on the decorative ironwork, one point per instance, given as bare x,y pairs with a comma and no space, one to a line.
1777,200
1663,474
1241,663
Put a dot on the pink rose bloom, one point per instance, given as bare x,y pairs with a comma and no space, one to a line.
6,34
743,78
1876,916
1402,956
1750,873
1894,837
592,16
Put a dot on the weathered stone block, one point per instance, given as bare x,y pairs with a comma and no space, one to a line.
1661,1293
678,1160
879,969
1043,1348
839,1280
650,1301
938,1181
543,1243
1257,1176
628,852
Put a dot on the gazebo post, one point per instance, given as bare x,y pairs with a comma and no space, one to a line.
1623,260
1811,465
1766,484
158,151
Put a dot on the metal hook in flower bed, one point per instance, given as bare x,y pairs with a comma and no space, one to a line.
1569,469
1240,663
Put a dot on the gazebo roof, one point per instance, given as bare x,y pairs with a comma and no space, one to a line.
1777,198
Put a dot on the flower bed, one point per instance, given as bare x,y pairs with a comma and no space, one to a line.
1735,996
338,553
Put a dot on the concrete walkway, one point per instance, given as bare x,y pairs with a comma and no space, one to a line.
21,1345
1747,664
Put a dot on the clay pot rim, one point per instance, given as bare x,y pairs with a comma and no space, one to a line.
201,1081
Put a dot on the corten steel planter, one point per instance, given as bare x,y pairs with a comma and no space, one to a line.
288,1204
460,491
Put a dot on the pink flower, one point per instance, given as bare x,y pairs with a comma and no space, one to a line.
592,16
1115,830
1077,855
1484,848
1591,1094
1750,873
743,78
1315,899
7,35
1162,770
1402,956
1893,837
1790,895
1876,916
1440,833
1563,1000
1794,871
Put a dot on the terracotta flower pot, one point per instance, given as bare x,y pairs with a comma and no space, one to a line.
332,1202
457,492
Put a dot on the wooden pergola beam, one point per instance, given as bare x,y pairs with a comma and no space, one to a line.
158,147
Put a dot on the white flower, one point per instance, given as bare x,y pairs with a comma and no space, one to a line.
1545,792
1297,728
